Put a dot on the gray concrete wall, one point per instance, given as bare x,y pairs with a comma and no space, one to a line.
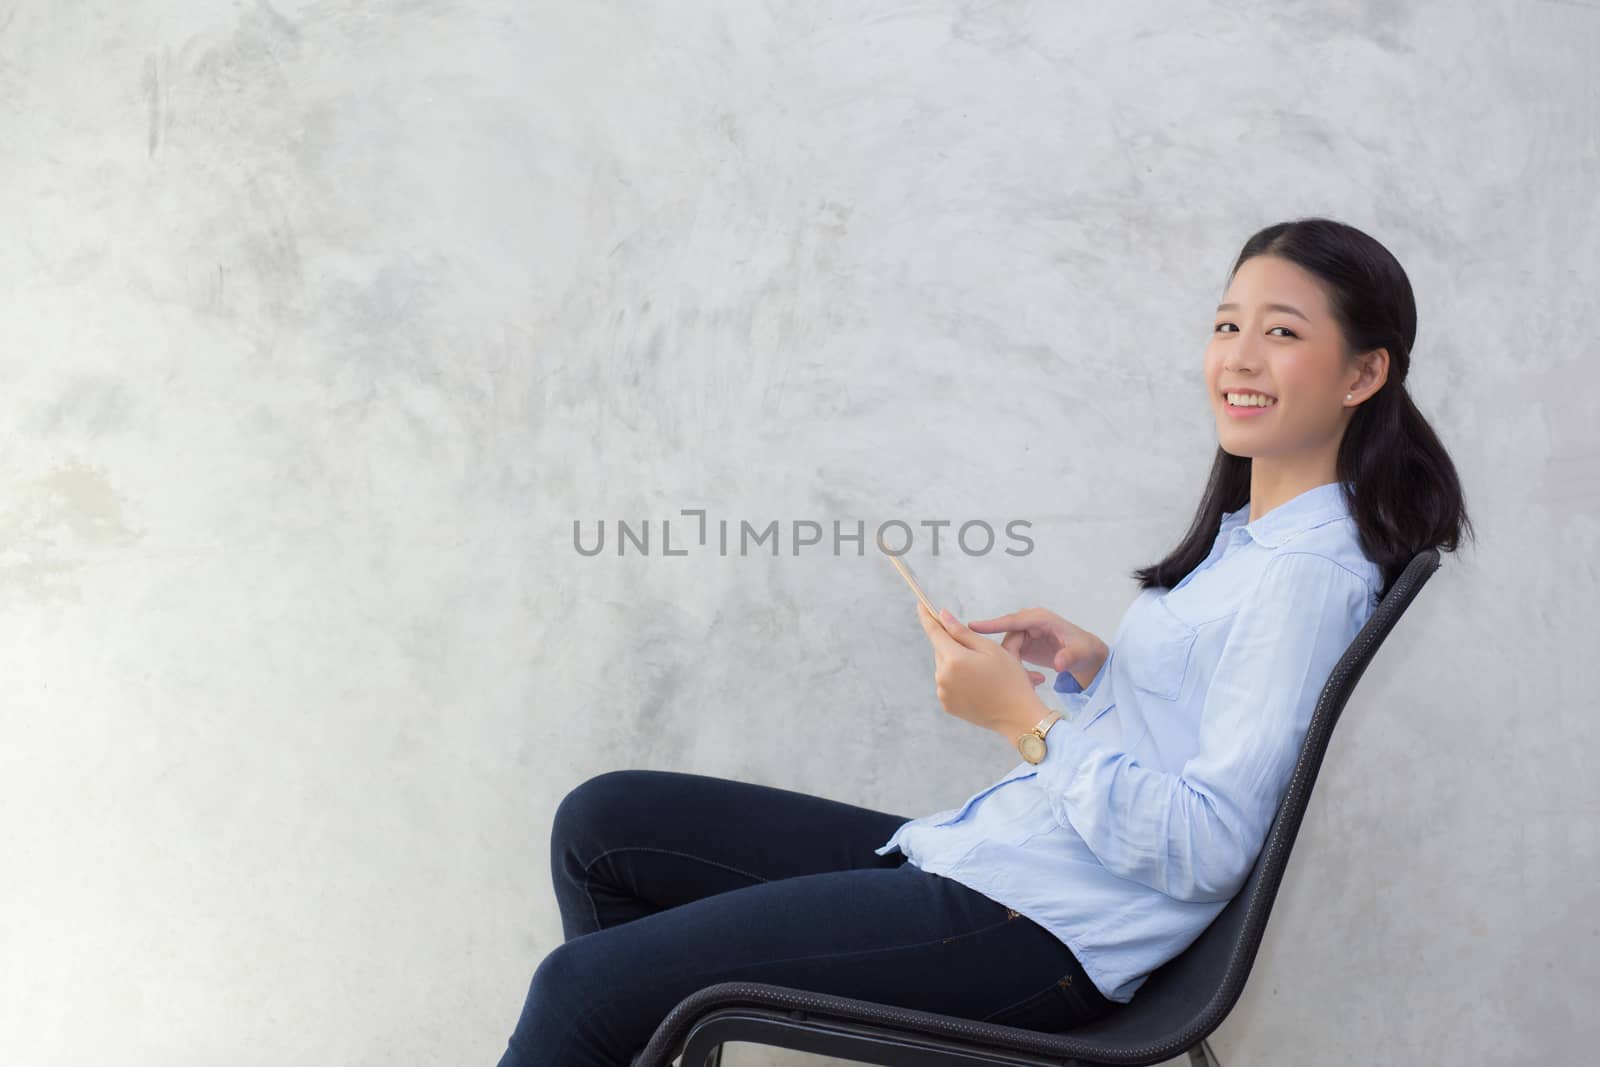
324,321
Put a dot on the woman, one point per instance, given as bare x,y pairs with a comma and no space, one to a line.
1046,899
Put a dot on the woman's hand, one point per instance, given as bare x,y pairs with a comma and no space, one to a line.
1034,635
979,681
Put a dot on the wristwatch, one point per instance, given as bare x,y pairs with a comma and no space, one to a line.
1031,744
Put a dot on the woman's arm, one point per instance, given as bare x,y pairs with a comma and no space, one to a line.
1194,835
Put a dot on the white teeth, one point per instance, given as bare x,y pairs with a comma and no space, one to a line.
1250,400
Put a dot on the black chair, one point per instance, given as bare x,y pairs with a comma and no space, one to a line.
1176,1009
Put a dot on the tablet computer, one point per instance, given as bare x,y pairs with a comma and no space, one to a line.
911,579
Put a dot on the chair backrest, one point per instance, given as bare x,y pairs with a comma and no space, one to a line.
1186,998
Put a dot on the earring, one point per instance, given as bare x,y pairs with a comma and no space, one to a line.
1347,396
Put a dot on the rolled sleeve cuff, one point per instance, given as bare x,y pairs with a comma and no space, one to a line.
1067,685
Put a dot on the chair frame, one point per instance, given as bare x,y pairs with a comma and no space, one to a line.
1174,1012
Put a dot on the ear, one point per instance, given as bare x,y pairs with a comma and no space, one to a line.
1374,372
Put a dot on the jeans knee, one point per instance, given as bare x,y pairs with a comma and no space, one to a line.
589,806
560,975
560,1010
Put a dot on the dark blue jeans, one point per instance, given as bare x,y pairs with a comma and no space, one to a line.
669,882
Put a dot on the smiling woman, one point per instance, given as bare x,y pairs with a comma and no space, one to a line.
1306,368
1046,899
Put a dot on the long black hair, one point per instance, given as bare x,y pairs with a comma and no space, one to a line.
1396,477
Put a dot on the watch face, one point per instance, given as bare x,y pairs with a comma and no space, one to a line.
1032,747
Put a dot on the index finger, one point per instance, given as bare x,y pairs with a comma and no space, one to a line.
1017,620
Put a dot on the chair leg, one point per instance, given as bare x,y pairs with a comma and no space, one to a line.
699,1053
1202,1056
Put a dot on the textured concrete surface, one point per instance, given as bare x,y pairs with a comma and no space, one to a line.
324,321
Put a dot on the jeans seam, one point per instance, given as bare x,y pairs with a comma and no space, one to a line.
1035,995
1070,988
888,948
594,908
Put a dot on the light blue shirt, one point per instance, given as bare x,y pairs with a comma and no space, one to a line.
1155,793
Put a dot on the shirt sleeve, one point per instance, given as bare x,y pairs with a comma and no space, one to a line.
1194,835
1071,697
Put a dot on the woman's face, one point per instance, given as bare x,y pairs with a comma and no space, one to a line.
1274,334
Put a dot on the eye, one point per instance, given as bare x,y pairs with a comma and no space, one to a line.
1219,329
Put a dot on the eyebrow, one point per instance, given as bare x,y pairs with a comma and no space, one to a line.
1269,307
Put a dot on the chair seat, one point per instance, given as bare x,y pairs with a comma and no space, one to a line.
1122,1036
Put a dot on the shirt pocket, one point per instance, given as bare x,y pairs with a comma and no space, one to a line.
1157,651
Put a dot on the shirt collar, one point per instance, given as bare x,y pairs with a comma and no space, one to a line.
1315,506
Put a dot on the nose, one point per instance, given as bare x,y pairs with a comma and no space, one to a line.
1242,360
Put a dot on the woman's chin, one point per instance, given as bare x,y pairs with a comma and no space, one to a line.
1230,444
